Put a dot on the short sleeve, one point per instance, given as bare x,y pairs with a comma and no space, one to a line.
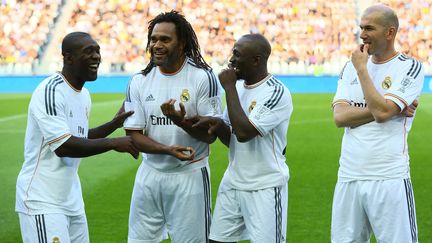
408,87
271,109
48,109
133,102
209,95
342,94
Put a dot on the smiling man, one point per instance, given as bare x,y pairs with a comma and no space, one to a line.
375,102
252,200
48,192
172,186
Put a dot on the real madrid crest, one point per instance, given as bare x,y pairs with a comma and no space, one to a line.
386,83
252,105
185,96
55,239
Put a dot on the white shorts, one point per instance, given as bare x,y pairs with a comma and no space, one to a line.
55,228
259,216
179,203
384,207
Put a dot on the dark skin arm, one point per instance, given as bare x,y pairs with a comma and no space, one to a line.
106,129
178,117
96,143
148,145
214,125
240,123
77,147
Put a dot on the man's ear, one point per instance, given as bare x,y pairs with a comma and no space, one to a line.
67,57
257,59
392,31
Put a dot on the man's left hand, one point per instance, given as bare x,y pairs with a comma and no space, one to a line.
177,116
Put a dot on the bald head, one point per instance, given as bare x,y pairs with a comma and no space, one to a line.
384,14
72,41
258,45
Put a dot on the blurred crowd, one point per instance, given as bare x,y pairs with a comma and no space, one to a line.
304,34
24,29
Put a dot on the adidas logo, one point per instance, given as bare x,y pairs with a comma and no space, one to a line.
354,81
150,98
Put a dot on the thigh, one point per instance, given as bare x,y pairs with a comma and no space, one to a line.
349,220
146,217
78,229
391,211
187,205
228,224
44,228
265,214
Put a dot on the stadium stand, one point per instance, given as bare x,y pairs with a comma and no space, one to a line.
308,37
24,33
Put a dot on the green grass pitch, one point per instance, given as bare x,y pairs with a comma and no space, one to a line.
312,156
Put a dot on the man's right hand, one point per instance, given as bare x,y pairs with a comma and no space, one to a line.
182,153
125,145
409,111
212,124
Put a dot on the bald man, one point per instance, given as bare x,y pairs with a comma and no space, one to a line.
49,200
375,103
253,196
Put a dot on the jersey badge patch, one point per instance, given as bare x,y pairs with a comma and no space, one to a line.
185,96
261,111
405,83
386,83
252,105
55,239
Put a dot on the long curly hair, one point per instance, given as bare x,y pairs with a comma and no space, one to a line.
185,34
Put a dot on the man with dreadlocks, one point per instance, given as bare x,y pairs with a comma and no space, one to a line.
172,187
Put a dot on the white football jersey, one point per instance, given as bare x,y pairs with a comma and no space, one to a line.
377,151
48,183
260,162
195,87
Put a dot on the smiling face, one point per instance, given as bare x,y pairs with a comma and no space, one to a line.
165,48
86,59
377,31
242,58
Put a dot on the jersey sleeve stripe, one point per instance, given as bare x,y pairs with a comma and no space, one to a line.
59,138
336,102
342,71
403,58
259,131
277,93
397,97
418,71
211,77
412,67
128,99
53,96
416,68
215,85
212,83
276,96
50,95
